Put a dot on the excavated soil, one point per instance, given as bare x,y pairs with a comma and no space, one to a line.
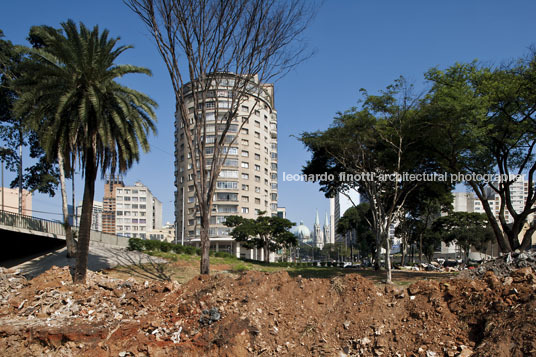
267,314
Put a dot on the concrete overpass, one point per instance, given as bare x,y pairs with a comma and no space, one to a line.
21,236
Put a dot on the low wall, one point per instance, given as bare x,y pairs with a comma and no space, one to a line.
106,239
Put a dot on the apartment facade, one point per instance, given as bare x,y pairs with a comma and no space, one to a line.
130,211
165,234
96,215
468,202
10,200
247,182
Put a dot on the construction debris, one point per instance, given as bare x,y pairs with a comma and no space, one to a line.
269,314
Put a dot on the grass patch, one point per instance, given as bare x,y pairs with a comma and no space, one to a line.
183,267
239,268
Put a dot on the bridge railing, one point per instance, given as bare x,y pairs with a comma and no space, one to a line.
31,223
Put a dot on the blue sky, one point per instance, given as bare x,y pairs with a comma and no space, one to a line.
358,44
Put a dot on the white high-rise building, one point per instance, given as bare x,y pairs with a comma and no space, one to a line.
137,211
247,183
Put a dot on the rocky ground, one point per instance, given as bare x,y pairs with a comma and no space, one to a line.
267,314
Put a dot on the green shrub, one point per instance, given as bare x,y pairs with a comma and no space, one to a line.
151,244
166,246
223,255
188,249
135,244
179,249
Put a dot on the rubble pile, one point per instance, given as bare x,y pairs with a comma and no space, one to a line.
269,314
506,264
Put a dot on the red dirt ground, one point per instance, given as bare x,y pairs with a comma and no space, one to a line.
267,314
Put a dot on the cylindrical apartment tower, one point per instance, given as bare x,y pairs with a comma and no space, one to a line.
247,182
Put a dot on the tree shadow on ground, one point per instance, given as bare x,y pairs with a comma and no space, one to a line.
142,265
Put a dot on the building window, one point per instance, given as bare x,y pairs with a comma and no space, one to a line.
245,165
257,179
245,210
228,174
227,185
257,168
257,156
232,151
245,153
245,198
257,189
245,142
245,176
245,187
257,201
257,124
245,108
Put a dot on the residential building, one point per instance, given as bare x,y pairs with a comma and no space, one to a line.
130,211
166,233
109,203
138,211
247,181
9,200
96,217
282,212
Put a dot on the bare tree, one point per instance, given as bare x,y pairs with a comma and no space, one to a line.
235,45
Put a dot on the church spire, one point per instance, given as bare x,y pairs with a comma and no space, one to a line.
317,221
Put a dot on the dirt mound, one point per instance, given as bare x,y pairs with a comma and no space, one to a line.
270,314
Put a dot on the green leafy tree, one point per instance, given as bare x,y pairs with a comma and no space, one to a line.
421,208
358,220
69,88
482,120
374,143
12,131
269,233
42,176
466,229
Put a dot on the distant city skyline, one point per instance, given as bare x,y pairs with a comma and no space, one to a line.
359,44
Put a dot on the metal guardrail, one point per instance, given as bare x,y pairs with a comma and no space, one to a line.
31,223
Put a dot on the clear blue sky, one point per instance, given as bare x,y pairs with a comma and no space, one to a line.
359,44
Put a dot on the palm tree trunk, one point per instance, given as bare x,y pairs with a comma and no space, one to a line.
205,245
71,244
85,219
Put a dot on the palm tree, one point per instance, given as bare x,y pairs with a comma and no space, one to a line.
69,87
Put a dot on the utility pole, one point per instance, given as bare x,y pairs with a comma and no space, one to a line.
2,185
20,172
